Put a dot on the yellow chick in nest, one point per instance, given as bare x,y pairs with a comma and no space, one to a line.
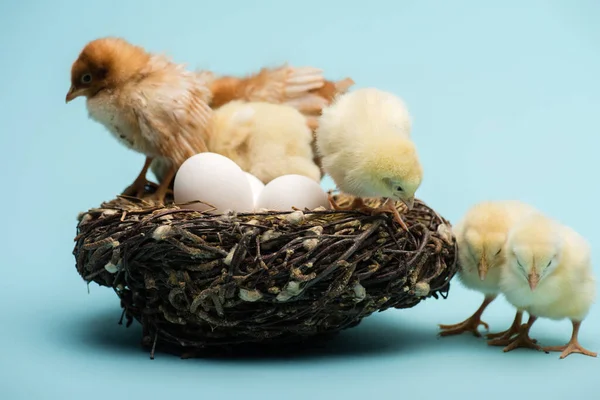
264,139
549,274
304,88
148,103
267,140
481,235
364,141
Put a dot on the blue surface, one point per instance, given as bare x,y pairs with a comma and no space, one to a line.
505,100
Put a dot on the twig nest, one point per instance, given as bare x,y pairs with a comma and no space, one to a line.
196,280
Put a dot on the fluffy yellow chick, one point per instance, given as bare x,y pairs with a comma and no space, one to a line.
148,103
481,236
364,140
548,273
264,139
267,140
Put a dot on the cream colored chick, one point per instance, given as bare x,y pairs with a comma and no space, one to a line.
148,103
264,139
364,140
481,236
548,274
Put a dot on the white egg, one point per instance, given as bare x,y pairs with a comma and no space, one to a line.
256,185
216,180
287,191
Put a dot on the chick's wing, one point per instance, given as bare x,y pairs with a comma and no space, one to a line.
173,115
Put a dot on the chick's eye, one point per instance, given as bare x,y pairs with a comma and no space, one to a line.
399,189
86,78
499,251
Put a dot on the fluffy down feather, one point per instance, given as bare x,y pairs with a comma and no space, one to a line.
481,236
365,143
264,139
549,274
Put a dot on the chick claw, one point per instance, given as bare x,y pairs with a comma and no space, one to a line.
504,338
570,349
524,341
136,189
359,205
573,346
356,203
469,325
388,206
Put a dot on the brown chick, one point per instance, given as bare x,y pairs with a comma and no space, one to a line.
150,104
303,88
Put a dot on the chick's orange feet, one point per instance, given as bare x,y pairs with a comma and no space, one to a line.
471,324
504,338
358,204
573,346
522,340
388,206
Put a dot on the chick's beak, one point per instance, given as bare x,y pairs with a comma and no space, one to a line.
533,280
73,93
483,268
409,202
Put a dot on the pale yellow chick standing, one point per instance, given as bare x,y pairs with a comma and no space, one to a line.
148,103
548,274
481,236
365,143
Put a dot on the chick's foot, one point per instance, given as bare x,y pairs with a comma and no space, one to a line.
163,188
570,348
523,340
138,187
357,203
504,338
573,346
471,324
387,207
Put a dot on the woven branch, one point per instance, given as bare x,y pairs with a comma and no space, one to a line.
195,280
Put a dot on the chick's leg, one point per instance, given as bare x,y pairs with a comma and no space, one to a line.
163,188
503,338
523,339
573,346
138,186
470,324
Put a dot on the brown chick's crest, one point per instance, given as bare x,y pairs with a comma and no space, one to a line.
148,103
364,141
548,274
481,235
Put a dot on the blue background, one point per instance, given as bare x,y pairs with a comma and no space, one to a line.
505,99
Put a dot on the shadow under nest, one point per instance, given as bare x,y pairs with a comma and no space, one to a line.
199,282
